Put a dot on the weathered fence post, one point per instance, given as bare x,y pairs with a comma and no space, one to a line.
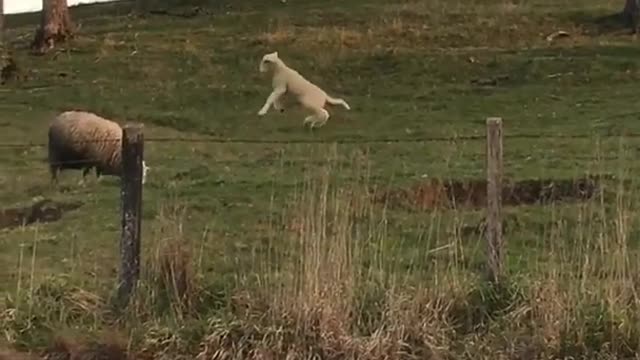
1,25
495,243
132,156
631,13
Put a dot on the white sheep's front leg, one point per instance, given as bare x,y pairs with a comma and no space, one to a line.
278,104
275,94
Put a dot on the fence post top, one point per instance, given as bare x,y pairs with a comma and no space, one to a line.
132,130
133,125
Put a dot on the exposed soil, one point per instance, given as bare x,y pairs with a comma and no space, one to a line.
6,354
438,193
42,211
67,349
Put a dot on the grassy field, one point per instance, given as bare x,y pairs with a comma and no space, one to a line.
280,247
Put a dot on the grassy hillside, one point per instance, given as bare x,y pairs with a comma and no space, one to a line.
287,248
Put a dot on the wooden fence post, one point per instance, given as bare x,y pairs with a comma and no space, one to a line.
495,243
2,25
630,13
131,180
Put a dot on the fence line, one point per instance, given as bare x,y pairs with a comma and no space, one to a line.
335,141
133,141
494,140
508,159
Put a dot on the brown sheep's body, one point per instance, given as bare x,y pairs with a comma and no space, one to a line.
82,140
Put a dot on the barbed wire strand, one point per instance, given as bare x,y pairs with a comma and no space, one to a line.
332,141
512,159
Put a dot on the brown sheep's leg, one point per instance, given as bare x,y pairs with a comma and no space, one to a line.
98,173
85,171
54,170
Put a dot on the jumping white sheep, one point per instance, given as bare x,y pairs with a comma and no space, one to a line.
83,140
286,80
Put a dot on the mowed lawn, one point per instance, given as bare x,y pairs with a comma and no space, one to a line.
410,70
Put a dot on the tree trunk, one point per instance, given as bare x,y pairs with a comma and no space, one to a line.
631,13
55,25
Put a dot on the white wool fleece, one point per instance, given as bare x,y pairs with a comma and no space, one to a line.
286,80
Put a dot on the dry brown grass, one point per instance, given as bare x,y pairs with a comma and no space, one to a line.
334,292
315,306
171,272
315,301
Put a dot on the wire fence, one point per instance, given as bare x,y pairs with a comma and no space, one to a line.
516,158
453,139
9,145
133,199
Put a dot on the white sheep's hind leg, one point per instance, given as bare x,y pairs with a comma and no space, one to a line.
309,119
322,116
318,119
319,114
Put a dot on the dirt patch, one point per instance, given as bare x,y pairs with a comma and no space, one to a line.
438,193
63,348
42,211
7,354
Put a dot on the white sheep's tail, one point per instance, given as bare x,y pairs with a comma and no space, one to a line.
334,101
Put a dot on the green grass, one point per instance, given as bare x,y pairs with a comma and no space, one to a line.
406,68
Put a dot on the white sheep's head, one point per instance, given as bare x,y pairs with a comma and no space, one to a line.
145,168
268,61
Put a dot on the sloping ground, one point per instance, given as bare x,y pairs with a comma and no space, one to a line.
353,279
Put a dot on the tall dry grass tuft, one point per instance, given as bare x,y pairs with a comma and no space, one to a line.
169,275
328,259
580,299
336,291
330,294
415,325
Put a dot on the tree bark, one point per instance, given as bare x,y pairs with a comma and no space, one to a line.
55,25
631,13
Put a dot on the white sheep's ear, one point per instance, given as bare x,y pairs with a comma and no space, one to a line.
275,53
